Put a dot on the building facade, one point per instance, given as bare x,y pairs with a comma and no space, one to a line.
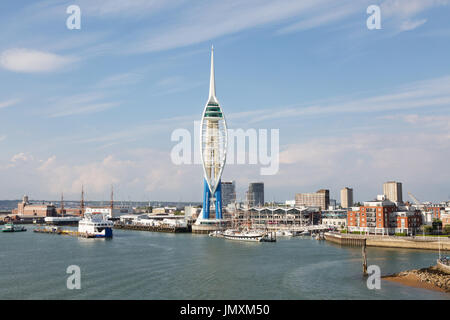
335,218
255,194
228,193
320,199
26,209
393,191
346,197
117,211
384,217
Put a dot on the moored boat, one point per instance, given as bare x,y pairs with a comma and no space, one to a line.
95,225
247,235
10,227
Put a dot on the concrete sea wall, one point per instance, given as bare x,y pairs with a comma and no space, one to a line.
389,242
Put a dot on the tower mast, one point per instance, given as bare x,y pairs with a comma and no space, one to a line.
112,200
82,200
62,203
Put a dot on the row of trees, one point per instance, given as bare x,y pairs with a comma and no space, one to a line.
436,228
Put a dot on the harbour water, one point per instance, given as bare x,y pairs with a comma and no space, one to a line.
148,265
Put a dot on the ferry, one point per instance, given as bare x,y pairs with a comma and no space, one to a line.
10,227
95,225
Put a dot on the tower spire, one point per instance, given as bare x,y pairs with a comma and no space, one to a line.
212,81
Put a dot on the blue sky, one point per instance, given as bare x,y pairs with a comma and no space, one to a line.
355,107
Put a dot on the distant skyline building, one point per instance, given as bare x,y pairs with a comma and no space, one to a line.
393,191
255,194
213,148
346,197
228,192
320,199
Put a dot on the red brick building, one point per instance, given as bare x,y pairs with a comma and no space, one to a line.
435,211
28,210
383,217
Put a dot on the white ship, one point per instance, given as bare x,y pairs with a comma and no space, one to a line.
95,225
248,235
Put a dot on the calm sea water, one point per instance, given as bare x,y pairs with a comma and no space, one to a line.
145,265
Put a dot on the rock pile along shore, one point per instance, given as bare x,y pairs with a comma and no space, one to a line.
431,275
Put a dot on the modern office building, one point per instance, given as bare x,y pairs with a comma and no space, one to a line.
346,197
393,191
255,194
228,193
213,147
320,199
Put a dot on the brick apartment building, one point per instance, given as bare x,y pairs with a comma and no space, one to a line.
383,216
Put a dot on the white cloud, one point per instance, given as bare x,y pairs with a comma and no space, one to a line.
322,17
8,103
79,104
400,13
143,173
411,25
31,61
120,79
409,8
210,20
422,94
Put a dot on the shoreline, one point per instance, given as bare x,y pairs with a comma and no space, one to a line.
430,278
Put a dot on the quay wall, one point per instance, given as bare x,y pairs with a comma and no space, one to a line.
388,242
163,228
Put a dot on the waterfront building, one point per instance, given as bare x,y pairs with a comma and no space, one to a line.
255,194
407,222
228,193
393,191
346,197
320,199
335,218
213,147
164,210
263,217
435,210
109,213
383,216
25,209
373,217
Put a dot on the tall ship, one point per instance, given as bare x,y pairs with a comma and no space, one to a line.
95,225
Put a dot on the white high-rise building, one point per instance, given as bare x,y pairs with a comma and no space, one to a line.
393,191
346,197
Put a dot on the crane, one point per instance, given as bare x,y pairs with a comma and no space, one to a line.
417,202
